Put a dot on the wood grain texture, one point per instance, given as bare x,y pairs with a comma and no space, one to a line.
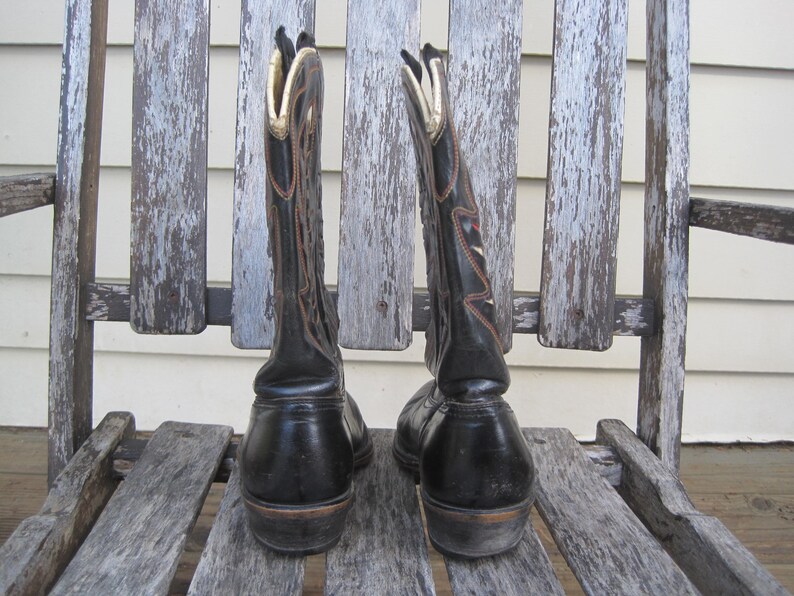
130,451
578,271
233,562
605,545
378,179
40,548
524,570
665,271
484,70
749,487
607,463
252,273
632,316
27,191
168,260
136,543
111,302
766,222
74,229
712,557
383,549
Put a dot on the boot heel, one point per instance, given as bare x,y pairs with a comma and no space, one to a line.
472,533
298,529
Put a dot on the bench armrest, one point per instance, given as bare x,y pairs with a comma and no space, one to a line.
27,191
766,222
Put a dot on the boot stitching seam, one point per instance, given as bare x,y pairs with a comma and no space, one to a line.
293,143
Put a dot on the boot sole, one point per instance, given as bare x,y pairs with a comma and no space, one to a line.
473,533
298,529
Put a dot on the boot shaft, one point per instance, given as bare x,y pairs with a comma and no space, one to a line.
304,355
464,350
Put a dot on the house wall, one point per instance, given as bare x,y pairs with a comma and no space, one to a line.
740,353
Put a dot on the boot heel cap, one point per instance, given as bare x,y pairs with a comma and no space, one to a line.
470,533
298,529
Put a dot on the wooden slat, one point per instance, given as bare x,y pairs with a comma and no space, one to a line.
168,265
524,570
766,222
41,546
606,460
484,69
233,562
716,562
28,191
605,545
252,277
583,189
378,179
383,549
111,302
74,229
661,391
607,463
632,316
136,543
130,451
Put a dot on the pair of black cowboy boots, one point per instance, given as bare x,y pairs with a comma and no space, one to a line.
306,434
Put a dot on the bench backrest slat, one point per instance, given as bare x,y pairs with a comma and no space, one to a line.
484,75
584,167
168,271
252,278
378,179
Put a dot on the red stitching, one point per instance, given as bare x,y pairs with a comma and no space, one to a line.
474,212
293,144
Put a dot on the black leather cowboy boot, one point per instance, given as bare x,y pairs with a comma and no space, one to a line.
305,433
457,431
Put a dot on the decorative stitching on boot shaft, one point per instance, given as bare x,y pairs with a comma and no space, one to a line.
473,213
287,194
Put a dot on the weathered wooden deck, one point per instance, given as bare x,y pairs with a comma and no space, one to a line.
749,488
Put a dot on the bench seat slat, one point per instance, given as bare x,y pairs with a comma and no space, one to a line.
484,72
715,560
136,543
605,545
383,548
168,265
378,179
252,277
42,545
233,562
583,189
525,570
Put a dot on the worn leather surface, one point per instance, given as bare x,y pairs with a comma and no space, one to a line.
459,431
305,431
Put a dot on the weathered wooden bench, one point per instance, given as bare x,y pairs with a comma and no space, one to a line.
97,535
